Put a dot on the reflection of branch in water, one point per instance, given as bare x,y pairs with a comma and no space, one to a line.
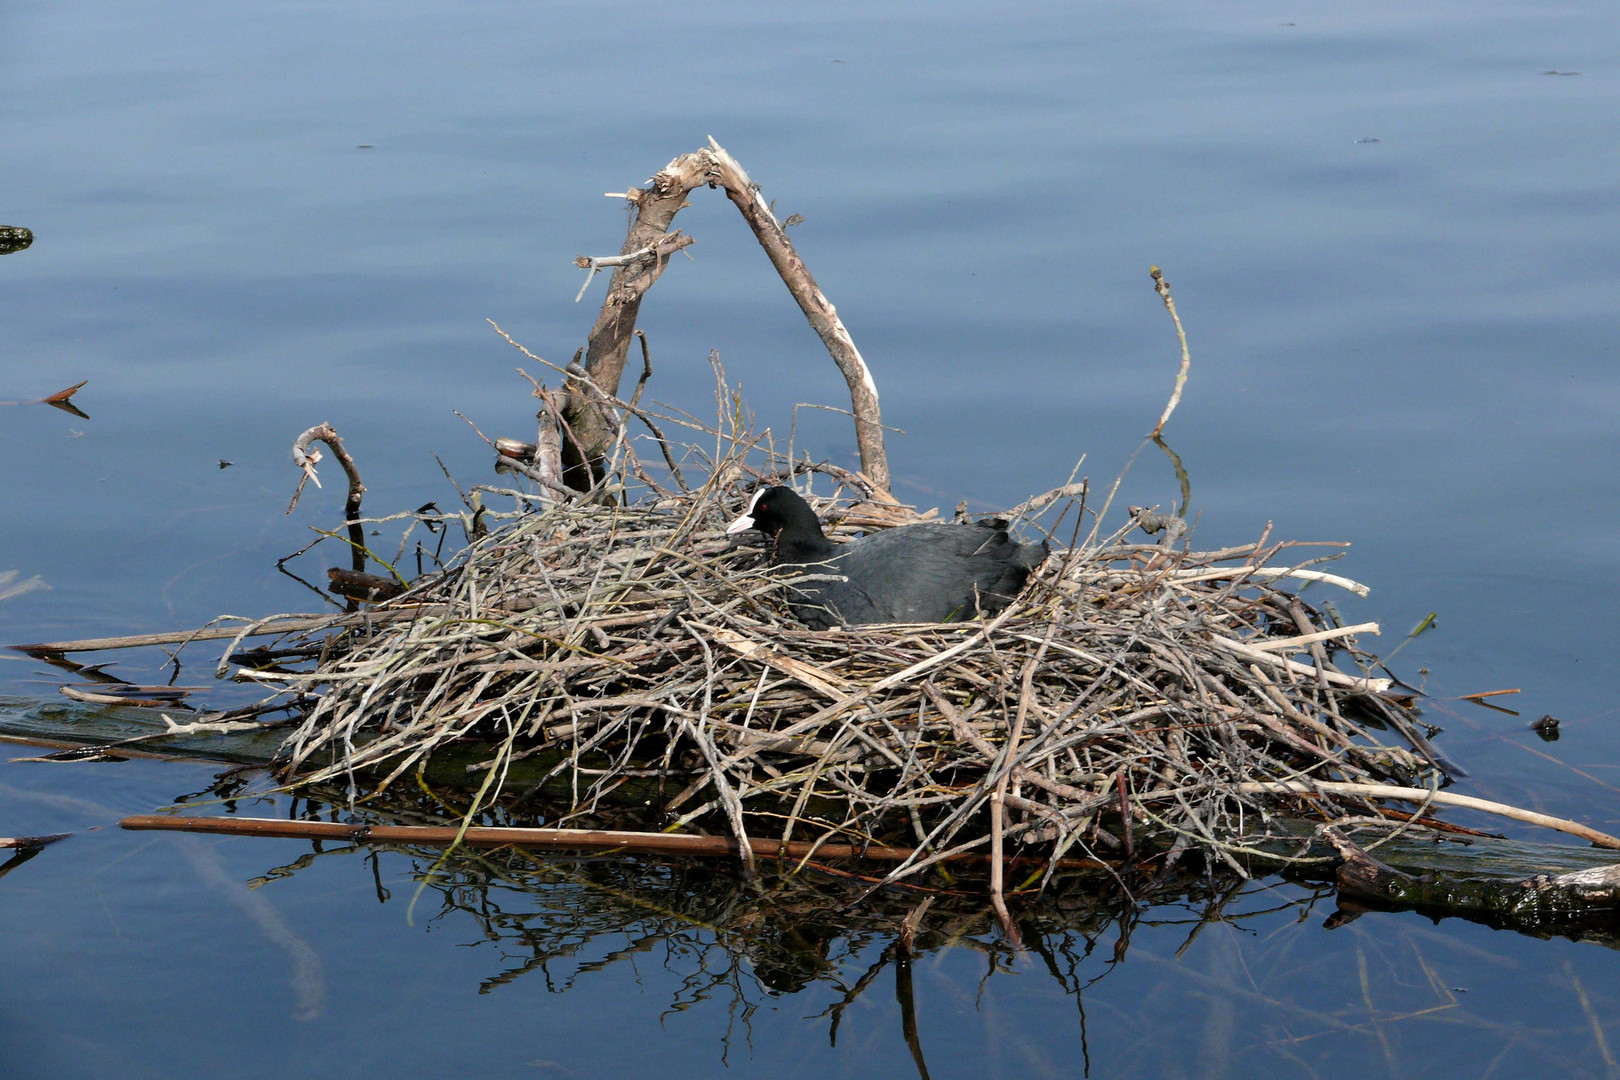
908,1012
836,1010
1181,475
18,857
276,873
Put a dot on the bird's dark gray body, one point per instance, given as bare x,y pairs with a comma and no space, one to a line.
931,572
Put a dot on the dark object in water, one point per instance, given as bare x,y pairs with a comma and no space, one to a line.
14,238
1547,728
930,572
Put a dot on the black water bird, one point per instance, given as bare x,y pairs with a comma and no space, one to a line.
929,572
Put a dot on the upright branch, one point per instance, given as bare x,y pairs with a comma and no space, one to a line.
1163,288
863,395
646,250
645,253
306,456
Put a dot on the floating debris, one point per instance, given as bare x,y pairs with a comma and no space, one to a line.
14,238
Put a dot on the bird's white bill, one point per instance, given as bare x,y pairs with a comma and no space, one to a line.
746,522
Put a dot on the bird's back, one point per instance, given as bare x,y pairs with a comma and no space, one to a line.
930,572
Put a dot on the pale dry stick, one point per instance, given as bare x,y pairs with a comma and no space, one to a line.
657,253
1319,657
840,706
711,753
1032,507
1207,836
1275,695
823,317
827,683
275,623
807,788
1090,542
198,727
1277,729
997,901
1224,846
1413,821
600,732
1286,644
1163,288
1412,794
950,825
1269,573
1115,552
1249,652
299,747
504,755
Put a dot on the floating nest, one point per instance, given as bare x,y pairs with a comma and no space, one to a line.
622,662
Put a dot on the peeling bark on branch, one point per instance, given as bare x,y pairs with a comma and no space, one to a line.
646,250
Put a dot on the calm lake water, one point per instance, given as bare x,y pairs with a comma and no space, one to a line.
1391,233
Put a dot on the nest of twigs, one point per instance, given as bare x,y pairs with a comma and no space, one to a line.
640,661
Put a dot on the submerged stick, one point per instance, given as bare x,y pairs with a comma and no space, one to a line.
550,839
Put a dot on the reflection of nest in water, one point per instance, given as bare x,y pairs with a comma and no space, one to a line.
566,919
627,667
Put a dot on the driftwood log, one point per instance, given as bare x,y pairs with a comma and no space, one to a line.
1532,901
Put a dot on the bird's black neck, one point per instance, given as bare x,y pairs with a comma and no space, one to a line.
799,540
802,548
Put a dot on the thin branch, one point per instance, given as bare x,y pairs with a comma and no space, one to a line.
1411,794
1163,288
550,839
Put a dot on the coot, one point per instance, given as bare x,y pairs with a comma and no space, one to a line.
931,572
